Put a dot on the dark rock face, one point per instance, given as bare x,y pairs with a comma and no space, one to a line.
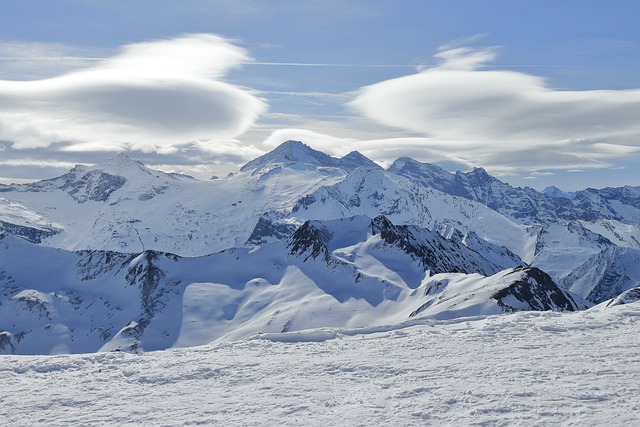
147,276
6,343
537,291
310,241
81,185
94,185
440,255
34,235
267,230
93,264
303,202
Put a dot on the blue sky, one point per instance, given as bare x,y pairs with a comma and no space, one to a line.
537,92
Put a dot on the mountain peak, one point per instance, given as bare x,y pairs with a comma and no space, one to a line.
553,191
479,171
290,152
426,174
119,161
293,153
121,157
355,160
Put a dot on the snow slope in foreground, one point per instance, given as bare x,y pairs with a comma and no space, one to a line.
518,369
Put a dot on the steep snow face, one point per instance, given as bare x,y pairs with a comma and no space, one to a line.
354,272
619,233
425,174
587,263
621,204
562,247
605,274
291,153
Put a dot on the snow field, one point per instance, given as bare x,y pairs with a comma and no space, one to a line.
528,368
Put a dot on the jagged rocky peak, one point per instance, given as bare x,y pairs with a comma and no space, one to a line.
380,223
310,239
391,234
479,171
476,180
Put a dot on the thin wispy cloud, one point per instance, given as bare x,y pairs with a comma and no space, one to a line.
329,65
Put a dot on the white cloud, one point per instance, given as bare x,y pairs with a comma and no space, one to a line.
323,142
508,121
465,58
150,97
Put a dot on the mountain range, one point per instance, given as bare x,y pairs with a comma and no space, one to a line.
118,256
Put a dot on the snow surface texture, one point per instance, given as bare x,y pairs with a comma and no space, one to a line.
516,369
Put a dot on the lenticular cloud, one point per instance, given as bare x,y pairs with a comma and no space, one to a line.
480,112
150,96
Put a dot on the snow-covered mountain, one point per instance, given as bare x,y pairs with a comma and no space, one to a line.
121,256
372,192
553,191
122,205
354,272
296,155
526,205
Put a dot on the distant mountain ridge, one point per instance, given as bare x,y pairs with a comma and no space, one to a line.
525,204
153,260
